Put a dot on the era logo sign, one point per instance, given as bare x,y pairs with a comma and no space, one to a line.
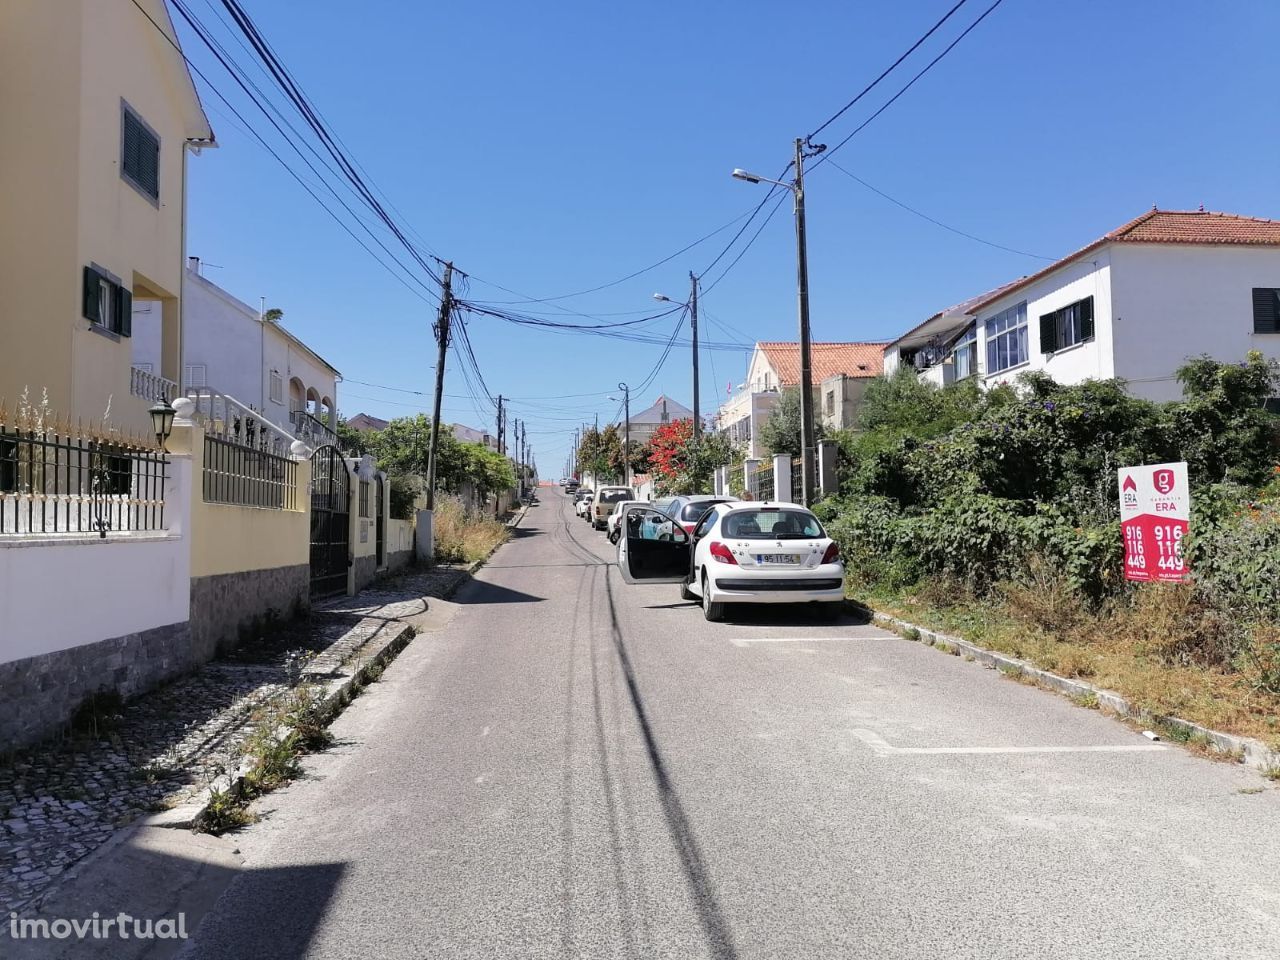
1129,491
1163,479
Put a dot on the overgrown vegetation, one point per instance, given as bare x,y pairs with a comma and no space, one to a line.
463,536
995,514
679,464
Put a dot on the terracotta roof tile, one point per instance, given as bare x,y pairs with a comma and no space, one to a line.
1168,226
829,359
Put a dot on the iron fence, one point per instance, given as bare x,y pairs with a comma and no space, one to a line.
247,476
762,481
312,429
797,479
63,480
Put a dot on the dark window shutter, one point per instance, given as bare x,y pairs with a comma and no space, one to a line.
1086,318
140,155
124,310
89,296
1049,333
1266,310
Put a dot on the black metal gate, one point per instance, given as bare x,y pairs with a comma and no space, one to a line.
330,522
380,528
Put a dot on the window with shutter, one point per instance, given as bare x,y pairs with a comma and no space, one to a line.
139,154
1266,310
1067,326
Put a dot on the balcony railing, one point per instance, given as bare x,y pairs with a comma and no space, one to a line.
59,479
228,419
312,429
151,386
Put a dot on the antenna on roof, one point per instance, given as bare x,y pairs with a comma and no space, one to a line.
1202,208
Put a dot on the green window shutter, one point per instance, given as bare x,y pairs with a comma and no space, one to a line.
1266,310
89,296
1086,318
1048,333
124,310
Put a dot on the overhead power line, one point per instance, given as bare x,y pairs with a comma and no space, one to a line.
887,70
936,222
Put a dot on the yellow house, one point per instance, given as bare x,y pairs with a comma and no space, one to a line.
100,113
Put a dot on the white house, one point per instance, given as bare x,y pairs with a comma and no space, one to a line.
1134,304
229,347
839,372
646,422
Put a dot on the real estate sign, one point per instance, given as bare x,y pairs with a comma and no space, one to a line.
1155,512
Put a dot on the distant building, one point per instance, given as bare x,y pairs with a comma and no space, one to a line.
839,373
471,435
364,423
645,423
1135,304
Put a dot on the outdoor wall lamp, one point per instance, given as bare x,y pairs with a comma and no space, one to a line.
162,420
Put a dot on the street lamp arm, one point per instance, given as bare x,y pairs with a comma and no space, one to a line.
739,174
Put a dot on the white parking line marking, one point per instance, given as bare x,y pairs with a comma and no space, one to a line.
740,641
883,749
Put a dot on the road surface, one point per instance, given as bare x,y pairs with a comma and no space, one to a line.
574,767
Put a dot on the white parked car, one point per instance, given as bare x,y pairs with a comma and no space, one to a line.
611,525
582,500
602,504
744,552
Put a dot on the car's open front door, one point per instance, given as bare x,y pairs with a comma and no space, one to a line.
652,548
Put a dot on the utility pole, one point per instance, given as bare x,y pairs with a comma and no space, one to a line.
806,360
524,450
442,340
626,435
500,429
693,326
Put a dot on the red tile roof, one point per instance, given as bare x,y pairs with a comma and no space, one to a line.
1198,227
828,360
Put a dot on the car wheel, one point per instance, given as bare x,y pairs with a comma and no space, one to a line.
713,612
687,594
614,537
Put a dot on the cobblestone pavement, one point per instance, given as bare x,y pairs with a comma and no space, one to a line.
61,801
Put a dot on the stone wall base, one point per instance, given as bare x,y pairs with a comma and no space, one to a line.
366,570
399,560
226,607
41,693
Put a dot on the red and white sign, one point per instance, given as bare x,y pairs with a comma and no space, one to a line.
1155,512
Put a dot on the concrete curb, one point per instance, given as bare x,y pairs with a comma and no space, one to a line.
336,693
1252,753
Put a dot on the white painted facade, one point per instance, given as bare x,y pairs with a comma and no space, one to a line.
1155,305
229,348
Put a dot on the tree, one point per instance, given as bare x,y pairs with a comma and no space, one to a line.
780,432
353,443
600,453
682,465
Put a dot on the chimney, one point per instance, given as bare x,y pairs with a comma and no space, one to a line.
193,264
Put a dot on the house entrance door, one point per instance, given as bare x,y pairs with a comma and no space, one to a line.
330,522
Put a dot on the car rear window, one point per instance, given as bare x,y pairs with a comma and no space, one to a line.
767,524
613,496
693,512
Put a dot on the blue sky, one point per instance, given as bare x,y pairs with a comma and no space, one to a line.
553,147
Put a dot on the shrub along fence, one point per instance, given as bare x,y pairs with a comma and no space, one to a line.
1005,502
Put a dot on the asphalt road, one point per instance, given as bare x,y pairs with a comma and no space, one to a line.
574,767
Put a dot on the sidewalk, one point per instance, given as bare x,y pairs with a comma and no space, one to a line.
62,801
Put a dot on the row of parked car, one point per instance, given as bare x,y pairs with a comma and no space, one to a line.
720,550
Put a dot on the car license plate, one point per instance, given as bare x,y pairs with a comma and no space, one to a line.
785,558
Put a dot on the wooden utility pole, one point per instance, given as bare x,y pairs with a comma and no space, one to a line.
501,430
442,341
807,450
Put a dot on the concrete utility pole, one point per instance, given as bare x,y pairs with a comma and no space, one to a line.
806,361
693,327
501,428
442,340
626,435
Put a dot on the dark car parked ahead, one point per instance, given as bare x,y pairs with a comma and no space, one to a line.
687,510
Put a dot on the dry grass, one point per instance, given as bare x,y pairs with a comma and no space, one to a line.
1160,647
464,537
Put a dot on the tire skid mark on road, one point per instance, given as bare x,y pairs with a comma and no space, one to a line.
882,748
697,875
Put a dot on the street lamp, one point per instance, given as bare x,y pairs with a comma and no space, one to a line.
796,187
162,420
693,327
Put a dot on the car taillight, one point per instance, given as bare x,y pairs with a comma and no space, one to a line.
832,554
722,553
687,527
